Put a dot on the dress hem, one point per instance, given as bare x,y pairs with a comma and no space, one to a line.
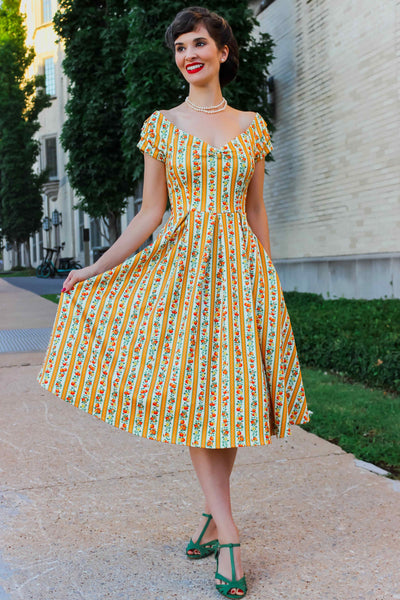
268,442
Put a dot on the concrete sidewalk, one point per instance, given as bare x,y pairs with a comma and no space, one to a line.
90,512
25,324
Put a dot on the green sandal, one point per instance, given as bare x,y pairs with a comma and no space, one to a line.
203,549
224,588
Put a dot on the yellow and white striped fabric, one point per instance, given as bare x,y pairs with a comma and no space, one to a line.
189,341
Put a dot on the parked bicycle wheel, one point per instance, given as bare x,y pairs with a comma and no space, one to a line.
46,271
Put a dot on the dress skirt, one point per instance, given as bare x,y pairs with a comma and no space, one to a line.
189,341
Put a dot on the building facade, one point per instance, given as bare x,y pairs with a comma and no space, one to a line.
333,192
62,223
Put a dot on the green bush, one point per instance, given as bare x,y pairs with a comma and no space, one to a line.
358,338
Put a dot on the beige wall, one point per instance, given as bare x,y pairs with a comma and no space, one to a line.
334,188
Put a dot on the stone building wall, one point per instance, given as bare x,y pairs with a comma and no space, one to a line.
332,194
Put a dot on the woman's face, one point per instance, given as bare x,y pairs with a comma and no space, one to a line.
198,57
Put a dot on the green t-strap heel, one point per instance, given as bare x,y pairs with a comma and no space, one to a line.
203,549
240,584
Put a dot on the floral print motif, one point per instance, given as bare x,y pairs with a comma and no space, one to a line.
189,341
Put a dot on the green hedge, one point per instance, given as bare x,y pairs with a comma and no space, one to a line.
358,338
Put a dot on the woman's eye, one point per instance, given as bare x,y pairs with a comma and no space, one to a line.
200,44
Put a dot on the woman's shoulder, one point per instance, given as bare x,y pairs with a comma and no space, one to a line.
167,112
245,117
170,113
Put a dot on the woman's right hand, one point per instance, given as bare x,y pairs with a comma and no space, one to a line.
77,275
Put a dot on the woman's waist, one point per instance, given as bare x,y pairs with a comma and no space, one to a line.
217,211
208,207
209,212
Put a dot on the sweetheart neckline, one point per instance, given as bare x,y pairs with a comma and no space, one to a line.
219,148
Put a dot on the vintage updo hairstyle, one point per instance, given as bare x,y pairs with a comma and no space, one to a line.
219,29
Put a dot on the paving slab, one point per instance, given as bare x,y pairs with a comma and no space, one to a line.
26,320
20,309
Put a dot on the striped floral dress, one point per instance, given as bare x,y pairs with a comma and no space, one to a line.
189,341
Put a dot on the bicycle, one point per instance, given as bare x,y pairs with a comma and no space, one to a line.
48,268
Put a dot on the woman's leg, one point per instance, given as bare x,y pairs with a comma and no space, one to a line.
213,468
211,532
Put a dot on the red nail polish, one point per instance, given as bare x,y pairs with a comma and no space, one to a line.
63,290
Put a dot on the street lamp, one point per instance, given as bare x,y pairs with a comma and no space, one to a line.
56,218
46,224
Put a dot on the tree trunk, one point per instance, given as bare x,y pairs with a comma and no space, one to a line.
114,227
14,256
27,257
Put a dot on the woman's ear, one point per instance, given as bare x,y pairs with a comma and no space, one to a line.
225,54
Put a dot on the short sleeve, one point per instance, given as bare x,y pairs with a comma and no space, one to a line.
152,140
262,142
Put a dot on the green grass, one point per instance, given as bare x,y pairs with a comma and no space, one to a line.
53,297
19,273
363,421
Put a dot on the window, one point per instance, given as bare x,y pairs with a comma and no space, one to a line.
50,76
46,11
51,157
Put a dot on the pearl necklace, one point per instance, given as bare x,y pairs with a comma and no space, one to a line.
207,109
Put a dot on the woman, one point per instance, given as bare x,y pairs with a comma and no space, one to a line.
189,341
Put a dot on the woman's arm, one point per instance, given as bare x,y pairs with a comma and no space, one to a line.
139,229
255,208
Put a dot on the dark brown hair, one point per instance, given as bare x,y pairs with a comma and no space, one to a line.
219,29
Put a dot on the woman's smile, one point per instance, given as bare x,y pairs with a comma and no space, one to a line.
194,67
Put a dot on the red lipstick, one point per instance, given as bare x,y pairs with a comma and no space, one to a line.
194,67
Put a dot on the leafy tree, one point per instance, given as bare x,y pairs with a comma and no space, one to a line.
21,101
94,36
120,71
153,81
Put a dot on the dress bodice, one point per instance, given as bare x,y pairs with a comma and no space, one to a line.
201,176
